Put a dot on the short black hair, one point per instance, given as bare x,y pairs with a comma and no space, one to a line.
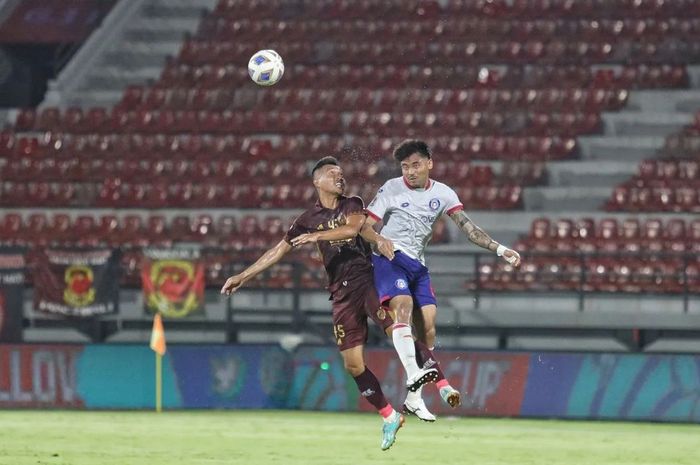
323,162
410,146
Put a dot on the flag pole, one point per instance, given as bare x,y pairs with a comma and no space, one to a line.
159,382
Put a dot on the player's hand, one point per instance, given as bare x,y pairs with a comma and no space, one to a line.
512,257
232,284
385,247
304,239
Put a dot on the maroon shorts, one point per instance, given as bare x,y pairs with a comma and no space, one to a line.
353,302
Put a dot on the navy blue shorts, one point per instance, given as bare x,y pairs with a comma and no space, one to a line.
402,276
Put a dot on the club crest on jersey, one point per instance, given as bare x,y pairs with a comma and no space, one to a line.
434,204
401,284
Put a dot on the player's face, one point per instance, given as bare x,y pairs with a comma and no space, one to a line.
331,180
416,170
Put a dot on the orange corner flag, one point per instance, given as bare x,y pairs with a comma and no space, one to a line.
158,335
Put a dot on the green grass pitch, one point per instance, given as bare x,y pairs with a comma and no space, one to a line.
291,438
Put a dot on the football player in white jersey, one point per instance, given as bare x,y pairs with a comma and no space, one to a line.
409,206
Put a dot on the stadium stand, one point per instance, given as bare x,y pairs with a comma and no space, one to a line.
536,108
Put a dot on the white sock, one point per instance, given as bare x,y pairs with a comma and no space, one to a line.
415,396
403,343
391,417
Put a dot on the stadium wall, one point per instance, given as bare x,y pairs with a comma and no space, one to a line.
561,385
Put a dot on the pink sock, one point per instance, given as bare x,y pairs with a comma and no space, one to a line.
386,411
442,383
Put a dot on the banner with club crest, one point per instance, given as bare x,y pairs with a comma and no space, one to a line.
12,267
173,282
81,283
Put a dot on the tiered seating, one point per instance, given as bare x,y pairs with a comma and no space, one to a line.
603,257
430,9
593,273
198,52
359,123
228,239
671,183
221,27
513,81
609,235
348,99
162,148
228,232
180,142
429,75
123,183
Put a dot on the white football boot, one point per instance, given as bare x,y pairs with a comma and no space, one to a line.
421,377
415,405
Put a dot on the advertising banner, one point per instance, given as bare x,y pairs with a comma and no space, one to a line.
80,283
39,376
490,383
12,268
614,386
257,376
320,381
232,376
173,282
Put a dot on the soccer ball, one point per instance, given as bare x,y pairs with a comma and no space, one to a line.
266,67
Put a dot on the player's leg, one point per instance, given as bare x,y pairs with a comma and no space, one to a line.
382,316
449,394
425,298
429,313
391,284
371,390
401,334
367,382
350,330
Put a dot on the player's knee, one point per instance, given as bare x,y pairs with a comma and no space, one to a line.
354,367
403,313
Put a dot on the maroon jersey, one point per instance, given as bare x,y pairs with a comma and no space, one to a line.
346,259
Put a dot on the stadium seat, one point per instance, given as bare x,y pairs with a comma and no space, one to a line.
510,81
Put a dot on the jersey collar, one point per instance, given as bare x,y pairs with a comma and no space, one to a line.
320,205
427,186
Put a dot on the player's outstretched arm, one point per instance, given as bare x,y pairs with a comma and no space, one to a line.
267,259
477,235
384,245
347,231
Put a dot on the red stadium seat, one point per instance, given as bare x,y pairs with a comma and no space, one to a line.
180,229
10,229
156,229
132,232
203,227
203,136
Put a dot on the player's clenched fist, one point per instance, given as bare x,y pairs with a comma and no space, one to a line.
512,257
232,284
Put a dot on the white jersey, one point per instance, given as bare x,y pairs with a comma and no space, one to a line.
409,214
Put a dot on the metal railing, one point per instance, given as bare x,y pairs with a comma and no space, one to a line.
580,275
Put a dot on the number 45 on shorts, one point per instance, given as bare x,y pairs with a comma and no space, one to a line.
339,333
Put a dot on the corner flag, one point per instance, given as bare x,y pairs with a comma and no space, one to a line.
158,346
158,335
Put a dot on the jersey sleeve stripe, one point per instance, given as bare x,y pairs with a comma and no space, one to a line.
373,215
456,208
